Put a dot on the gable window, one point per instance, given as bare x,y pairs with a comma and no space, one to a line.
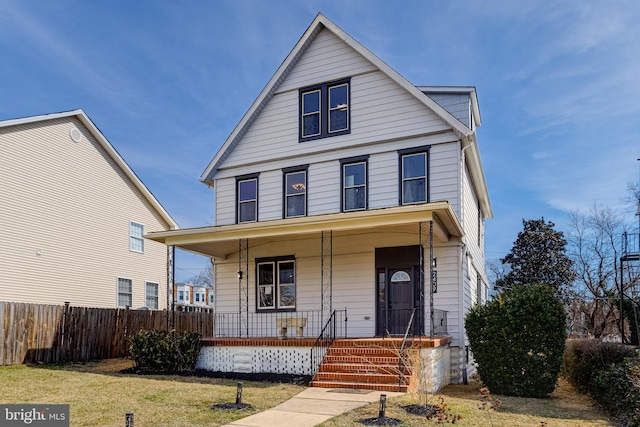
136,241
295,192
247,197
151,295
413,176
324,110
125,295
276,283
354,184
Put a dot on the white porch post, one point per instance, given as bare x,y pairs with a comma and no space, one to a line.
243,287
326,282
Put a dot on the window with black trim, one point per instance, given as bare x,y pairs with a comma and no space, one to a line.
413,176
295,191
276,283
325,110
354,184
247,198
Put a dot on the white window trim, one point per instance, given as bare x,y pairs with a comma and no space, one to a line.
118,291
136,238
345,186
157,296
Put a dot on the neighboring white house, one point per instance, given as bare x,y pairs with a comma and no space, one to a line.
345,186
191,297
73,216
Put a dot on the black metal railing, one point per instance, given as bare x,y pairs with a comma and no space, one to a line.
630,245
266,325
335,327
402,358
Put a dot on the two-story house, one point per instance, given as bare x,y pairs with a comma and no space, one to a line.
72,218
348,203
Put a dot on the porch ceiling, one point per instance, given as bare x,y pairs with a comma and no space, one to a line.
220,241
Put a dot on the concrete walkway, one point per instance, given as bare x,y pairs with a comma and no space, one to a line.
311,407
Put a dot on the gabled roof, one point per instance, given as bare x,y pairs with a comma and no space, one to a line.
104,143
320,22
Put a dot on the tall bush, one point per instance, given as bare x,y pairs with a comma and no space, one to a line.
518,339
165,351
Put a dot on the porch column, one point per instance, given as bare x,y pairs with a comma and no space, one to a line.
243,287
427,279
326,282
171,286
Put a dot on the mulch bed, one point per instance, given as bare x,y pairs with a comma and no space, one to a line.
382,421
231,406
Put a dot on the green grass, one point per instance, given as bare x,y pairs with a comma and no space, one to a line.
565,407
99,395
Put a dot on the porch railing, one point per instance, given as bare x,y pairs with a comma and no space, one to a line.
264,325
396,322
335,327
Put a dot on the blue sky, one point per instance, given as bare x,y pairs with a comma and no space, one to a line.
167,81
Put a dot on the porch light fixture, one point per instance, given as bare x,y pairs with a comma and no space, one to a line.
239,275
434,263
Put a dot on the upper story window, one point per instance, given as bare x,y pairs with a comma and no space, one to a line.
151,295
354,184
136,241
276,284
125,292
247,197
325,110
295,192
413,175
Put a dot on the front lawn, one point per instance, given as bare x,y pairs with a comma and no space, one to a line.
99,395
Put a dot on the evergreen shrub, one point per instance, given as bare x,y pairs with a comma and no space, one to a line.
518,340
165,351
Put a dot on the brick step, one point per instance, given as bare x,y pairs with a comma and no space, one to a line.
362,351
362,368
350,358
357,378
360,386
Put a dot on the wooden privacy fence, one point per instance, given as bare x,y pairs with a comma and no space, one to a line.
32,333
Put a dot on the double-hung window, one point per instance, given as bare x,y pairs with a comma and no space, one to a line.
136,241
354,184
247,197
325,110
413,176
125,292
151,295
295,192
276,284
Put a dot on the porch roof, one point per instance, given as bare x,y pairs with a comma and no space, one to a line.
222,240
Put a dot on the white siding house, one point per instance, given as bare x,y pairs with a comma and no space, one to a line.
345,187
73,217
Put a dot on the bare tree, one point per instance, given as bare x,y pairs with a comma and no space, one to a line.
594,246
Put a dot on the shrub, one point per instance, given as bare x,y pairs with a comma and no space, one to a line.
584,359
617,389
165,351
518,339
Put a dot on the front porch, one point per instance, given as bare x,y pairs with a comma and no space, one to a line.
384,364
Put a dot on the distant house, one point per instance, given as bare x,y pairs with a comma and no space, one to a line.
73,216
349,203
191,297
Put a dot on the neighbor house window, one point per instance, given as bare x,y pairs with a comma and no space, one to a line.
247,196
136,241
180,295
295,192
151,295
276,284
413,176
125,295
324,110
354,184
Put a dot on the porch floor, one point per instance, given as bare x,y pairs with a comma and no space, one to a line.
389,342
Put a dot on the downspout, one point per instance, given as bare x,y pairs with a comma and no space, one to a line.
463,260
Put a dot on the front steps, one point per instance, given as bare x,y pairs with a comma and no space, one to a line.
369,364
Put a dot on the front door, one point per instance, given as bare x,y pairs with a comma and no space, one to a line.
400,301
